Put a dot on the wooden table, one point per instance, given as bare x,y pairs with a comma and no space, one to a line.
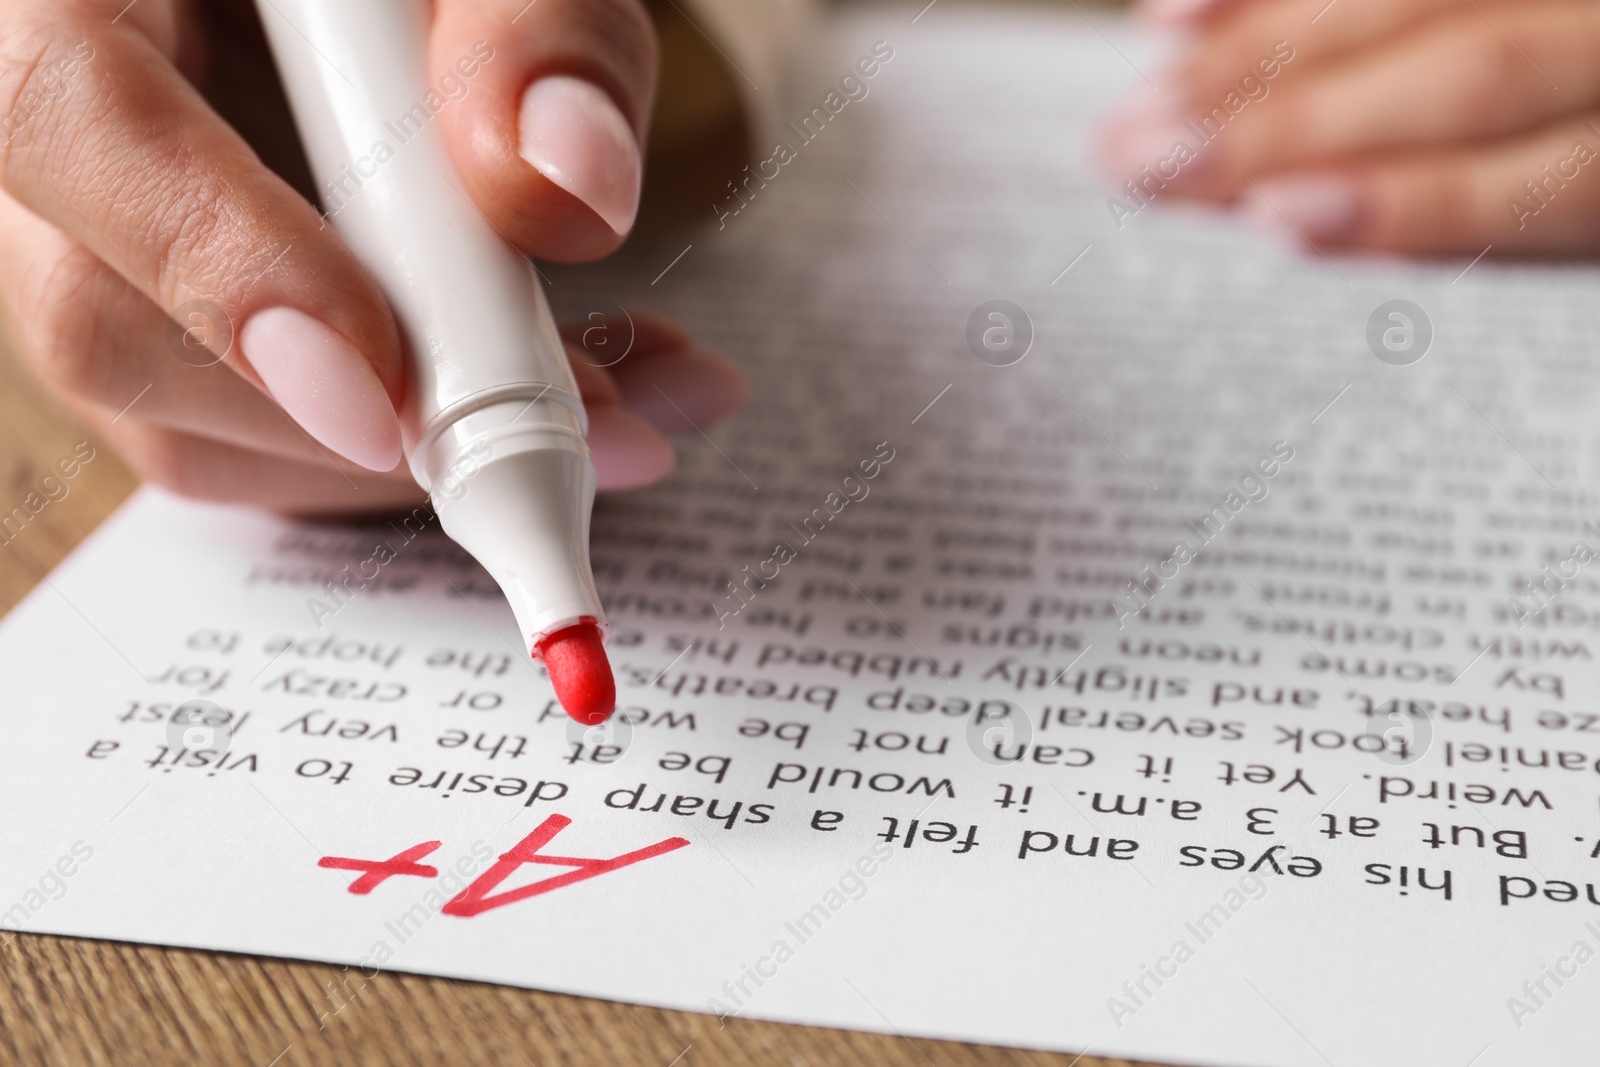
76,1001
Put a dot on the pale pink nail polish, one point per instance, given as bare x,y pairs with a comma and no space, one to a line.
573,134
1128,149
1168,12
681,392
628,452
1312,208
324,384
1146,105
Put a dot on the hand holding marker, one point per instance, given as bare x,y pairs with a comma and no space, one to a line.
493,425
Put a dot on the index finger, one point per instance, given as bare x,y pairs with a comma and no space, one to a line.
133,164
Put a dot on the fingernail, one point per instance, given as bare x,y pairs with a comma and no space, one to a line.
574,135
684,391
628,452
1168,12
1144,106
1313,208
1130,148
324,384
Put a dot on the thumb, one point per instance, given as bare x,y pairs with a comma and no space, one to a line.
544,108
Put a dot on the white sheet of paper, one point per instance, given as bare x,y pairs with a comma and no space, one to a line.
1105,877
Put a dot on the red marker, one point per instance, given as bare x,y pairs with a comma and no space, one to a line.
494,423
580,672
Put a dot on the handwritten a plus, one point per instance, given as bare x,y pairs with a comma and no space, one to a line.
480,896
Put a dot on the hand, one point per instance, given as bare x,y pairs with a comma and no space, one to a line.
1420,126
131,190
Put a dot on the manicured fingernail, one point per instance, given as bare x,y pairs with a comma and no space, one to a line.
684,391
628,452
1312,208
1144,106
324,384
1168,12
1129,148
574,135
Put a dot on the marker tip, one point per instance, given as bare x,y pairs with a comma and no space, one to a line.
580,672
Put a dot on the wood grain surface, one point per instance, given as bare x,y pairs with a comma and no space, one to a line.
77,1001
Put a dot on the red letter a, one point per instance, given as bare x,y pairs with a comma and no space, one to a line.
476,898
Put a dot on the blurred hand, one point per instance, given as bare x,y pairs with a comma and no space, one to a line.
1421,126
132,192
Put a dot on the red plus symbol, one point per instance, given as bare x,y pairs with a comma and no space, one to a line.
378,870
